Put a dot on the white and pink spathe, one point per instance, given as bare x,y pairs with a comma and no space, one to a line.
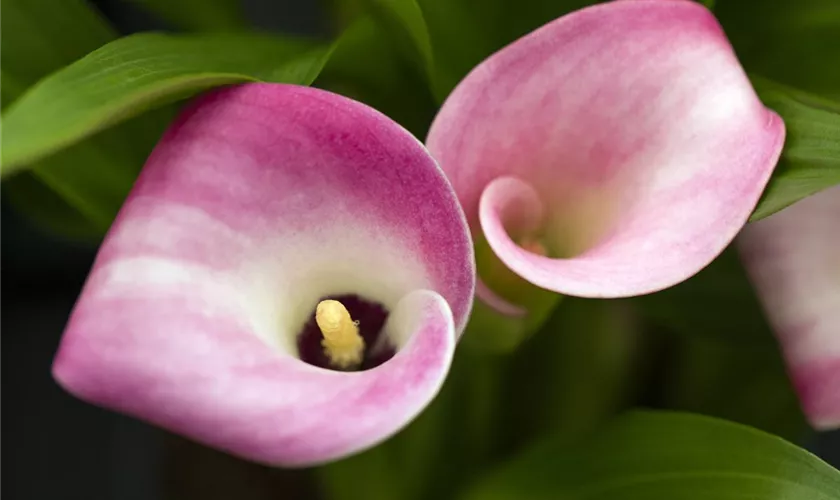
793,258
625,137
258,201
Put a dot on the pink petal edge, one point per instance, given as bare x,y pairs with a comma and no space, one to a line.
637,129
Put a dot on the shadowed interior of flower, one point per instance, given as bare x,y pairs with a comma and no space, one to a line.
346,333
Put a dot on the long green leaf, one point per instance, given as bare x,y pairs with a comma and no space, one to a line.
40,36
136,73
810,161
665,456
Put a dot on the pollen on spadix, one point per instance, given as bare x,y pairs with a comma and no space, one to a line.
343,345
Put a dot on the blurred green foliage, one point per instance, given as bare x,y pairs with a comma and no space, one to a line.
200,15
793,42
717,302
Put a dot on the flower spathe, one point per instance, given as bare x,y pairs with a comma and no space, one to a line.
793,258
624,138
258,202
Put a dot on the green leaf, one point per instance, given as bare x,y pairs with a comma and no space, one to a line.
199,15
790,41
810,161
96,175
40,36
664,456
93,177
136,73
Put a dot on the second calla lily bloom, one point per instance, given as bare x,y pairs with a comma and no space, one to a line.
793,258
286,281
613,152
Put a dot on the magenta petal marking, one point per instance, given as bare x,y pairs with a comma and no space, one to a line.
259,201
793,258
634,125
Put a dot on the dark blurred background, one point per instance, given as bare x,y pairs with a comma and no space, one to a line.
56,447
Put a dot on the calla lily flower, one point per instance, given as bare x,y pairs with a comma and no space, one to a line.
793,258
286,280
613,152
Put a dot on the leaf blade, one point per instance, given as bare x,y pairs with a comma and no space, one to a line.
667,456
136,73
810,161
39,36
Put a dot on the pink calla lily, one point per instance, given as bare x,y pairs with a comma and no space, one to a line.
793,258
623,142
258,202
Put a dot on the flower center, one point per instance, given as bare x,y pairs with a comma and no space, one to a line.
345,333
